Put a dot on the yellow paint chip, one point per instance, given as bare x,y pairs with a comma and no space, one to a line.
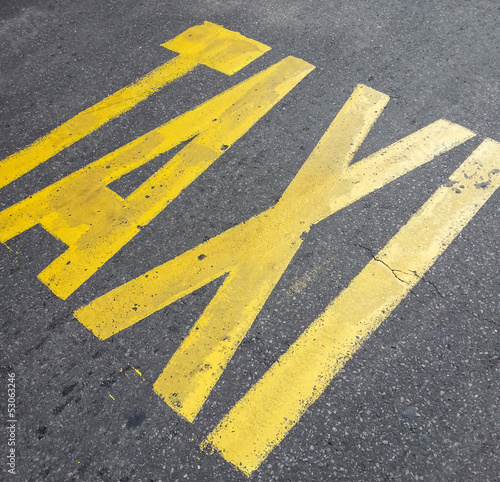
7,247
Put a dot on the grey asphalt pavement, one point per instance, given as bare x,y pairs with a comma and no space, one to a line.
419,401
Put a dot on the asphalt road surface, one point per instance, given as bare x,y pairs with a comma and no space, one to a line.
197,366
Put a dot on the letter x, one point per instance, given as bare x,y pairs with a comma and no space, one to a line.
256,253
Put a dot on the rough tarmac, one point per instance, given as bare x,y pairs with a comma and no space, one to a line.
419,401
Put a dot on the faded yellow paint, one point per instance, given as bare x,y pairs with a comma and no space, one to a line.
95,222
208,44
256,253
301,284
262,418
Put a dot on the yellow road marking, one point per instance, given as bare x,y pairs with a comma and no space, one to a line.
257,252
208,44
262,418
95,222
7,247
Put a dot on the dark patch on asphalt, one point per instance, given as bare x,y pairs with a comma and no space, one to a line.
68,389
42,431
135,419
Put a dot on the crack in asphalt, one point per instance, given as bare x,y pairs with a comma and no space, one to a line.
395,271
422,278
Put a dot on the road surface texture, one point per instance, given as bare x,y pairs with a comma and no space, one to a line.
413,394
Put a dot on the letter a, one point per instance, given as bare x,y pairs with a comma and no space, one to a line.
95,222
